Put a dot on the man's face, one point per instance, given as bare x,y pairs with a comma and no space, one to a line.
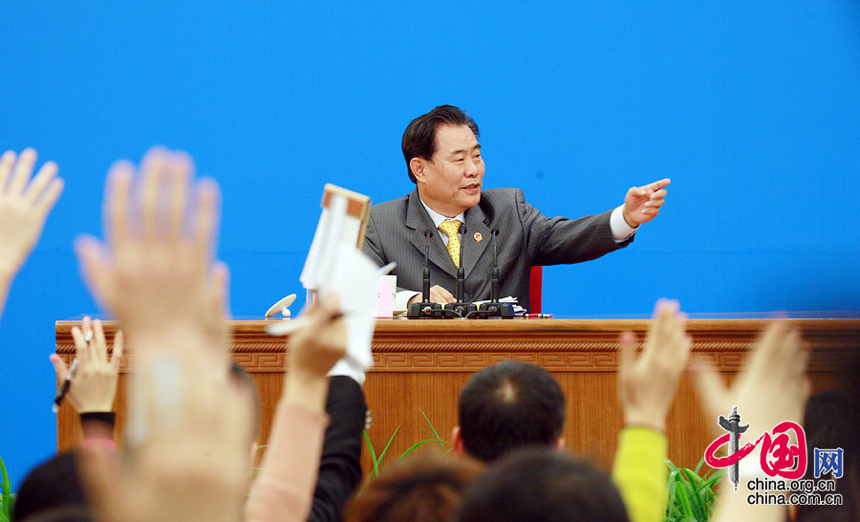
450,182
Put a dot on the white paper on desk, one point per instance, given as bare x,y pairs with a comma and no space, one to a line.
355,280
518,310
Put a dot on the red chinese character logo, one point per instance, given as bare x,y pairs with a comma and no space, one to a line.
779,457
789,461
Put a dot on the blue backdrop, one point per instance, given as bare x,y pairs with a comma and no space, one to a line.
753,111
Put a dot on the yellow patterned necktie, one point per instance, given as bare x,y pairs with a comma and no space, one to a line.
451,229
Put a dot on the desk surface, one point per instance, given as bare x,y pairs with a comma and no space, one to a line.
560,344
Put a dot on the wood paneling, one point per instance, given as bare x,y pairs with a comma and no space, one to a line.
422,365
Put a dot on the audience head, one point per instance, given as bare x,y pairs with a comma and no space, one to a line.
419,138
541,484
424,488
830,422
51,487
507,406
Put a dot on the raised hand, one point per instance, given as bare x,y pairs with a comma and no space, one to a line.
187,427
93,386
24,206
313,351
647,384
771,387
193,461
154,272
642,204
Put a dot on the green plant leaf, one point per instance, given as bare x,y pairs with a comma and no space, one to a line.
441,445
671,506
7,498
5,486
418,445
375,471
390,440
697,505
684,500
690,497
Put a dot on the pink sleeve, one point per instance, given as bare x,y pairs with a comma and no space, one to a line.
107,443
284,489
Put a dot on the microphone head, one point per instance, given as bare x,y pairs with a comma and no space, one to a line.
428,233
462,229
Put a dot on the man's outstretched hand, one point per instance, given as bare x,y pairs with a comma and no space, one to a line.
642,204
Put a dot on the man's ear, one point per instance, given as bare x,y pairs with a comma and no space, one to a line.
457,441
559,444
416,165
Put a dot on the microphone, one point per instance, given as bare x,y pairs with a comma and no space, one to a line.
495,274
494,308
425,290
425,309
461,273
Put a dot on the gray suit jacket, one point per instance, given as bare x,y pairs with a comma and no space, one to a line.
525,238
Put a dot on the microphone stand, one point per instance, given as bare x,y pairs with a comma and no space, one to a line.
460,308
425,309
494,308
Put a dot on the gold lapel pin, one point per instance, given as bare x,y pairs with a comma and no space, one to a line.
478,237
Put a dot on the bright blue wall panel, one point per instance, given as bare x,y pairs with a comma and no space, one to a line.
752,110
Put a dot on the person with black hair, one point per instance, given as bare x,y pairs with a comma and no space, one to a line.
512,405
830,422
54,485
539,484
507,406
444,160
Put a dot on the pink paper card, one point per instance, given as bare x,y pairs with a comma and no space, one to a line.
385,296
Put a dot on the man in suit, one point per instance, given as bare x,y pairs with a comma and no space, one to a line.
444,161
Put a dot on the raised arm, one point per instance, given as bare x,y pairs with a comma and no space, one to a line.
24,206
188,429
93,386
771,388
284,489
646,387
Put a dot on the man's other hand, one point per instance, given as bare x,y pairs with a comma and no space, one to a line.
437,295
642,204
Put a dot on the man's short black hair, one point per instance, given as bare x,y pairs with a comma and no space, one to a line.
507,406
830,422
542,484
52,485
419,138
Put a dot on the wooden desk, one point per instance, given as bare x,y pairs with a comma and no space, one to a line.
422,366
